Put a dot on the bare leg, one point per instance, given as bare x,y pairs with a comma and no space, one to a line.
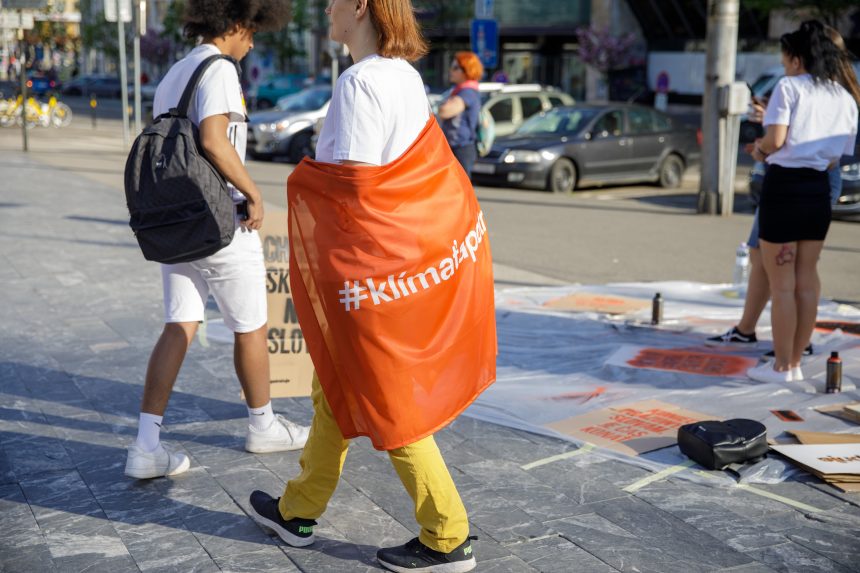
758,293
164,364
779,264
251,358
807,292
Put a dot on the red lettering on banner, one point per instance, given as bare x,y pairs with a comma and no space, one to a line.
693,362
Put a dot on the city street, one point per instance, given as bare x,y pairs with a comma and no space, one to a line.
81,310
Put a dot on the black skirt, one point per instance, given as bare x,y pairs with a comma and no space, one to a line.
795,205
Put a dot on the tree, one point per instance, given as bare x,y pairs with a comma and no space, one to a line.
828,11
603,51
285,43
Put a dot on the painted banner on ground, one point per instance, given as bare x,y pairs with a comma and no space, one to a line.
687,360
630,429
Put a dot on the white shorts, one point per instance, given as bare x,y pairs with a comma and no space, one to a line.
236,277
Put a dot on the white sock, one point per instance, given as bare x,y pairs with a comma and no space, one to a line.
148,431
261,418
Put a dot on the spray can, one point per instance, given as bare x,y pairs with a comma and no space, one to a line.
834,374
657,309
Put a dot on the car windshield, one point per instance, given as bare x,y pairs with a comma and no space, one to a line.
557,121
306,100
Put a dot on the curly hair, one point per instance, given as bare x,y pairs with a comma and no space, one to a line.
214,18
471,64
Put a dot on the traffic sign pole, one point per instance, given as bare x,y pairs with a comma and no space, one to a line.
123,72
23,83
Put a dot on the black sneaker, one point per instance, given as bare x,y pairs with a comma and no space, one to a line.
733,337
415,556
297,532
771,355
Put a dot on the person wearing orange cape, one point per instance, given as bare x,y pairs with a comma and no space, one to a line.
391,275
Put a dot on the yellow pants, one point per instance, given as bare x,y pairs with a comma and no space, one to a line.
438,508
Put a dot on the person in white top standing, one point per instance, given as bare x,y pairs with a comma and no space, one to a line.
811,121
377,112
235,275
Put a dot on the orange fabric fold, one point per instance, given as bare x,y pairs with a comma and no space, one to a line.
392,278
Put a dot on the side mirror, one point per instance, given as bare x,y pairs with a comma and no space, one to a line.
588,135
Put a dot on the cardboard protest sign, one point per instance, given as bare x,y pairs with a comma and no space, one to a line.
630,429
824,437
844,326
603,303
289,361
691,361
828,460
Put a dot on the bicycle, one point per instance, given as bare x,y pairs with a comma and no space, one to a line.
54,113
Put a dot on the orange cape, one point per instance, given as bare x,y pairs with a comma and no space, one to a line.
392,279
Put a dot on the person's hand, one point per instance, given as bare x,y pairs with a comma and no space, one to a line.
757,108
255,215
756,150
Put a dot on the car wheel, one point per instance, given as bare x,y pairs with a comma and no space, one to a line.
300,146
671,172
562,176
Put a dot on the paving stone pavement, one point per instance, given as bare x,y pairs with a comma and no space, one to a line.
80,312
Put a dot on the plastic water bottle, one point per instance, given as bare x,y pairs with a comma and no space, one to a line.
742,266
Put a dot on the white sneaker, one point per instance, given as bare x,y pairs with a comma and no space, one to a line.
281,436
157,463
766,373
796,374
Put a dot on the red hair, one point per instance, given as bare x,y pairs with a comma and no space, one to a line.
398,29
471,65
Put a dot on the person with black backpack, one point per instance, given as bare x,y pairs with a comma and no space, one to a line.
235,272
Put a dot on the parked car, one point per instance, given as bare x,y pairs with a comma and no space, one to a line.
98,85
286,129
39,84
565,147
512,104
848,202
274,88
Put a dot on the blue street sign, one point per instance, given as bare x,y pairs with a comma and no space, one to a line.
485,41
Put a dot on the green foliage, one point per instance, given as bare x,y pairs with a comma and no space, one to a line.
828,11
173,24
285,43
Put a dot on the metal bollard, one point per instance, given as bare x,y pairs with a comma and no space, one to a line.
93,105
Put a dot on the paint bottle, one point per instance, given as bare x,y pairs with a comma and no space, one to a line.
834,374
657,309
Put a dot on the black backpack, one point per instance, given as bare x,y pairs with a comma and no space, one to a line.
179,205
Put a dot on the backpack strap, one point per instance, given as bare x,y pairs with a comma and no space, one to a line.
191,89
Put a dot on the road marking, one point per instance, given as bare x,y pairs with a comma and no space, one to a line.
557,458
636,486
779,498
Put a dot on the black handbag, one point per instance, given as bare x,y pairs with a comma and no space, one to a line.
715,444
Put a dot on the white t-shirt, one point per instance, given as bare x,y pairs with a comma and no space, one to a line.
377,110
821,120
218,92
